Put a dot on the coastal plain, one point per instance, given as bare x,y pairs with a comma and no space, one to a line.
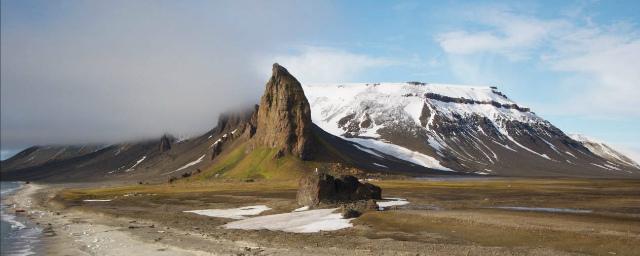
445,216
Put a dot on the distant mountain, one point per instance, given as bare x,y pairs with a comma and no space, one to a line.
413,129
616,159
463,129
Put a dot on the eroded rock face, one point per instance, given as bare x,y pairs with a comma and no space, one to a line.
319,188
284,116
236,120
165,143
216,149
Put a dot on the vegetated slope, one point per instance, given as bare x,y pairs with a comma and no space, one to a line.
466,129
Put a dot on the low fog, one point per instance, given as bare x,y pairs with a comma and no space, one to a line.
105,71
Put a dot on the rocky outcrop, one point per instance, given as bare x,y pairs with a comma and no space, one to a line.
216,149
236,120
284,116
317,188
496,104
165,143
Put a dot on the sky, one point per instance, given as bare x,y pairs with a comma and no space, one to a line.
110,71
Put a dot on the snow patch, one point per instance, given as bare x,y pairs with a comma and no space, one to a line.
380,165
302,209
187,165
296,222
234,213
136,164
368,150
391,202
401,153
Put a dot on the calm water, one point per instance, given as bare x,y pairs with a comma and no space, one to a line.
18,236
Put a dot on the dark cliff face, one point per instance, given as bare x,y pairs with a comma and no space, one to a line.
243,120
284,116
165,143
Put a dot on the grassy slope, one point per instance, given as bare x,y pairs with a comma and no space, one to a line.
258,163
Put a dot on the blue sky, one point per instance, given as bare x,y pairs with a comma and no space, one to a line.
576,63
129,69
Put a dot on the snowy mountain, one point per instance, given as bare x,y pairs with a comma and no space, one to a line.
605,151
467,129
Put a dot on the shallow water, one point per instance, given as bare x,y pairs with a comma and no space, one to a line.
17,235
542,209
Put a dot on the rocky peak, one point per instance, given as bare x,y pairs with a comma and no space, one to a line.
284,116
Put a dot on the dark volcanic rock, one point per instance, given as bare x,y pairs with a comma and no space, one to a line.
165,143
284,116
323,188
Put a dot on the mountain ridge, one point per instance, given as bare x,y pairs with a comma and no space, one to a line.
467,129
412,129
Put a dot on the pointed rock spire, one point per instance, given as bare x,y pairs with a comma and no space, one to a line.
284,116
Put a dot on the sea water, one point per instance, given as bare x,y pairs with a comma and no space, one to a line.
18,236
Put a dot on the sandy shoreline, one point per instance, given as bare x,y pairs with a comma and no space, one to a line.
77,233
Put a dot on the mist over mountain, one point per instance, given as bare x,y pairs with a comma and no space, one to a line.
108,72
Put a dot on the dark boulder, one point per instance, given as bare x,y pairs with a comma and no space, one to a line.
319,188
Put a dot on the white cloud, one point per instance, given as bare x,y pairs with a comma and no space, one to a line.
610,61
605,58
510,35
321,64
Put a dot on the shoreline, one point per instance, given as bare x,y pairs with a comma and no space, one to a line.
79,233
20,236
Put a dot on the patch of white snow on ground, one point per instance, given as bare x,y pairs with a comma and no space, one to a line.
302,209
368,150
401,153
296,222
233,213
606,167
97,200
380,165
187,165
136,164
391,202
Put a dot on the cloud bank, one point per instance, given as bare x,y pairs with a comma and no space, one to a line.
109,71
